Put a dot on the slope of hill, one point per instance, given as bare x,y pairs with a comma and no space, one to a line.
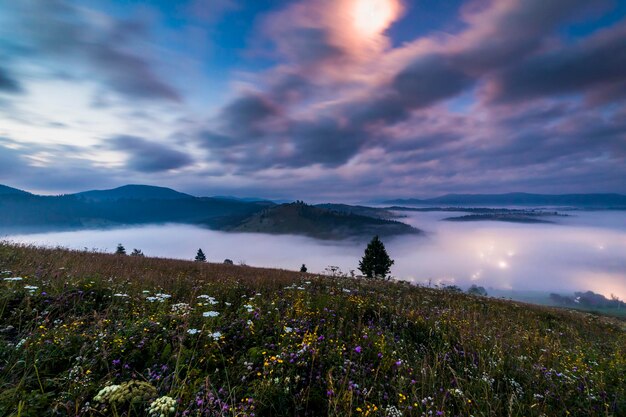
89,334
520,199
134,192
302,219
5,190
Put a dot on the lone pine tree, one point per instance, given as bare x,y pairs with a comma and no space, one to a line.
200,257
375,263
121,250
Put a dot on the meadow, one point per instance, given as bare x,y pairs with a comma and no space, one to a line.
94,334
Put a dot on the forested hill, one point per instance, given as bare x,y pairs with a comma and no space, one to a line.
302,219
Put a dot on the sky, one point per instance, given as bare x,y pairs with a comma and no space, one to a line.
344,100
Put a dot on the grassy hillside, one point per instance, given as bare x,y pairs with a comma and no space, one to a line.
223,340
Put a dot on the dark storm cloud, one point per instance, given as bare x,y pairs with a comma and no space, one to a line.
325,142
599,61
8,84
149,157
246,115
428,80
108,48
503,32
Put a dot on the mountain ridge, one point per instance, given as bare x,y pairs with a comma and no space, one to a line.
521,199
133,191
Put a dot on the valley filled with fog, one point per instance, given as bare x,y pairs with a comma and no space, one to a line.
584,251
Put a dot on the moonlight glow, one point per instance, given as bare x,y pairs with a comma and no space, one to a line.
372,17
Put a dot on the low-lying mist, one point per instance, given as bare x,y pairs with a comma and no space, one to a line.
586,251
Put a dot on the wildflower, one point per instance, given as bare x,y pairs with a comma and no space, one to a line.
456,392
13,279
120,295
288,329
162,406
158,297
131,391
193,331
392,411
104,395
357,349
30,287
215,335
181,309
210,314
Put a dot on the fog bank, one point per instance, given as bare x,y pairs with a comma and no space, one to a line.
586,251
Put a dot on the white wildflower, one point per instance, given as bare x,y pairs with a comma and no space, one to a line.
210,314
163,406
181,309
105,393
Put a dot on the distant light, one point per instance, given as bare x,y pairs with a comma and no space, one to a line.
503,265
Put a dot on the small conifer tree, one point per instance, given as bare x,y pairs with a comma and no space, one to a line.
121,250
137,252
303,268
200,257
375,263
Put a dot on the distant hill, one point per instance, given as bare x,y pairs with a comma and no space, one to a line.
135,192
141,204
5,190
32,213
520,199
302,219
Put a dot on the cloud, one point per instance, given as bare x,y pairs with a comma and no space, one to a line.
595,63
92,45
512,97
149,157
8,84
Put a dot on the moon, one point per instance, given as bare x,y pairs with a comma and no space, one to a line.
372,17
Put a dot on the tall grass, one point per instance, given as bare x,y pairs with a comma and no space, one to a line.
223,340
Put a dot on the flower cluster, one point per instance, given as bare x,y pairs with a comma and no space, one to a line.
162,407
